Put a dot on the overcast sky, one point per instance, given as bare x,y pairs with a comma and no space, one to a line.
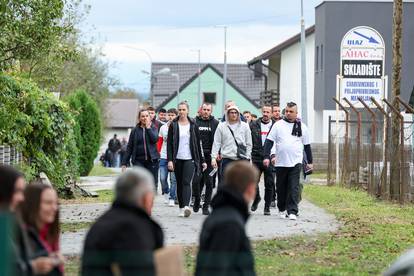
170,30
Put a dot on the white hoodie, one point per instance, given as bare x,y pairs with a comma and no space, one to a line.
224,141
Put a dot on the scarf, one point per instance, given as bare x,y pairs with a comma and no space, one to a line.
297,127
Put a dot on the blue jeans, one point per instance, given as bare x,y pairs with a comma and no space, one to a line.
164,180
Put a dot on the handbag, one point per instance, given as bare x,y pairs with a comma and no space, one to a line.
241,149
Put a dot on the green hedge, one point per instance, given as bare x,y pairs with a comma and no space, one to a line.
88,129
41,127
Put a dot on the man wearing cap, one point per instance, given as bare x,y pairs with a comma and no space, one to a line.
232,139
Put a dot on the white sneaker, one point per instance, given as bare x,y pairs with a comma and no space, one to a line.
282,215
181,214
171,203
187,211
293,217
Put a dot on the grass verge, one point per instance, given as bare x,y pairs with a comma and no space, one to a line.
104,196
99,170
373,235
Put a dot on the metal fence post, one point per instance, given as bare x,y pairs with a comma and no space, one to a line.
345,170
358,138
329,152
372,149
401,118
384,188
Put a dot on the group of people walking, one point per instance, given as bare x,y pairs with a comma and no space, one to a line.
189,154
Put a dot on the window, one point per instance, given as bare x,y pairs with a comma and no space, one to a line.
317,59
209,97
321,57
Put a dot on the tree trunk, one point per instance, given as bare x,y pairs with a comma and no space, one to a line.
396,167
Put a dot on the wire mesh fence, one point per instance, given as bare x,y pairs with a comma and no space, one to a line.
360,153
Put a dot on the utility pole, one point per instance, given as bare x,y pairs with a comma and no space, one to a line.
200,100
304,101
225,68
396,169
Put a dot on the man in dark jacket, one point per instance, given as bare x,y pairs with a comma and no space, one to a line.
224,246
114,147
123,240
207,126
260,129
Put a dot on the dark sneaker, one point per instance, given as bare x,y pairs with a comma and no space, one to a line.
273,204
196,207
254,205
266,211
206,212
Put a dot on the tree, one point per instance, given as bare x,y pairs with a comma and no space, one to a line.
41,127
88,129
126,93
30,29
396,167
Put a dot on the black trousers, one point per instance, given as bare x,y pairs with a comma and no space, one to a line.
152,166
204,180
184,174
269,183
287,188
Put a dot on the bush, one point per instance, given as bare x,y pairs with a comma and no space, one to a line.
88,129
41,127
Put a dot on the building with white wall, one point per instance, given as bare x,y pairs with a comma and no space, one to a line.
284,77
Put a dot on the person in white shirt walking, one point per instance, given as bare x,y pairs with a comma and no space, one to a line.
185,156
291,138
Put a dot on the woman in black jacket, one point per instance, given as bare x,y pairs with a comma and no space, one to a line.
142,146
185,156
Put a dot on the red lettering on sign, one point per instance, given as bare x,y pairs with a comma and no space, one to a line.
356,54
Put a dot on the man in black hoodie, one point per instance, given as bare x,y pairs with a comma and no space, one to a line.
224,246
207,126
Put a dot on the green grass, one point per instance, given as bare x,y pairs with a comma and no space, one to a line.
104,196
373,235
74,226
99,170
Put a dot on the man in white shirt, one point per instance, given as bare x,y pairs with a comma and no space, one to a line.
291,138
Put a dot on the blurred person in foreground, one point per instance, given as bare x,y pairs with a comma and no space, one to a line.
122,241
40,214
12,186
224,246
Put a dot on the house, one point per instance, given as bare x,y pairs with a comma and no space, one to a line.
120,117
284,73
243,86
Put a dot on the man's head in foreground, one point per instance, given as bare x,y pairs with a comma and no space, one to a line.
136,187
241,176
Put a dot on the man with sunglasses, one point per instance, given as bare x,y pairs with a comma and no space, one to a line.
291,138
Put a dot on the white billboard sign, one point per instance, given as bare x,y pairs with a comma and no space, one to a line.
362,66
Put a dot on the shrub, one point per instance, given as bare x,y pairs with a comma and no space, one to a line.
41,127
88,129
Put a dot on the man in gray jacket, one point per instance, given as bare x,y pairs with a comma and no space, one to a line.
232,139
